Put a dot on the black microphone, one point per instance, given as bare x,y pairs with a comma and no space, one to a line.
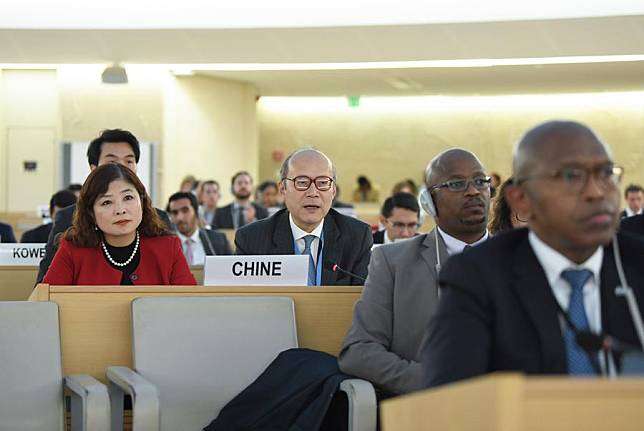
336,268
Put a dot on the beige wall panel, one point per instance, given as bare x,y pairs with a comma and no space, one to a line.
30,116
210,131
89,106
390,144
29,188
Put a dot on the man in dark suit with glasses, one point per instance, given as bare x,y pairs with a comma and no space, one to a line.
308,224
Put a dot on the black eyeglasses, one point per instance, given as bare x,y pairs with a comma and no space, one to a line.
302,182
573,179
402,226
479,183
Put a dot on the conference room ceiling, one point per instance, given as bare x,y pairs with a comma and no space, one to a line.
491,40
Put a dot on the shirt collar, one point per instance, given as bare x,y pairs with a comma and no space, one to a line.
554,263
194,237
385,238
456,246
299,233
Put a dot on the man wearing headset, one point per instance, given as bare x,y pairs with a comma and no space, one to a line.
530,299
401,291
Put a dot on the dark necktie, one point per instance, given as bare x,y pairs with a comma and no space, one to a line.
578,360
308,240
241,220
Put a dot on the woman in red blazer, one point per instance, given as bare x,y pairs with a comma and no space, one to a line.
117,237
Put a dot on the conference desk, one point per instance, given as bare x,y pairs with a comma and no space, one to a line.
95,321
514,402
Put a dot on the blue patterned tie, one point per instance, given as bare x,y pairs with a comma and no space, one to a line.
578,360
308,240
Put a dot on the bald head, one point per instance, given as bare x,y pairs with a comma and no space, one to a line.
305,155
443,165
550,141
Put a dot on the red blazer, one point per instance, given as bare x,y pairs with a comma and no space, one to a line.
162,263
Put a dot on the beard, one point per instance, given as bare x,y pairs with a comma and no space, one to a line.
242,195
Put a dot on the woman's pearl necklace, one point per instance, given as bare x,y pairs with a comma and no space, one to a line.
113,262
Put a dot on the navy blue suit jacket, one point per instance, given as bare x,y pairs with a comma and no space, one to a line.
6,233
497,311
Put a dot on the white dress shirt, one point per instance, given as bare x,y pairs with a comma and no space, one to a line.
299,234
553,264
386,239
631,213
198,251
456,246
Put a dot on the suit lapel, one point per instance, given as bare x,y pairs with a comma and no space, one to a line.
332,254
206,243
533,290
616,317
428,251
282,235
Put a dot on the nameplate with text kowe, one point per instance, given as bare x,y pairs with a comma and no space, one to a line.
18,254
265,270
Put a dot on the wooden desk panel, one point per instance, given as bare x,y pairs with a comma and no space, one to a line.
95,321
17,282
513,402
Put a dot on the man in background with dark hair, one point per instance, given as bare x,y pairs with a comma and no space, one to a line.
196,243
111,146
58,201
267,195
208,197
634,196
399,215
242,211
74,188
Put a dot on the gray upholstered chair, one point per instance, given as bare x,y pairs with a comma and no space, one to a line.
31,381
177,341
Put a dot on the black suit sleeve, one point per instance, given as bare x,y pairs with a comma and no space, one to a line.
27,237
457,344
241,242
8,235
634,224
260,212
61,223
364,244
222,245
165,219
222,218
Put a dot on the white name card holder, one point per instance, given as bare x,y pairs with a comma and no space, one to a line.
265,270
19,254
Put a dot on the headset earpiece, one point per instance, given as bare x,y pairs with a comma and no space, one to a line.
427,202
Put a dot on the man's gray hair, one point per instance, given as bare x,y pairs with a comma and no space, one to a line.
284,169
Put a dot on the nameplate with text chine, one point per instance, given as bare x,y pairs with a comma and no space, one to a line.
266,270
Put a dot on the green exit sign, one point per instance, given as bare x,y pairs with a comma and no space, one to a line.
354,101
